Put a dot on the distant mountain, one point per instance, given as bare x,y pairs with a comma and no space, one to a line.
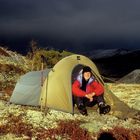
104,53
131,78
116,62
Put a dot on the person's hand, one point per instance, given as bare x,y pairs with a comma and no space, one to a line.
91,99
89,96
93,94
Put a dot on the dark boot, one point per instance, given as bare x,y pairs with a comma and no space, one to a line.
79,101
103,109
82,109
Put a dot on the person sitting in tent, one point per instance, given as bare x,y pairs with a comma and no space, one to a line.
87,91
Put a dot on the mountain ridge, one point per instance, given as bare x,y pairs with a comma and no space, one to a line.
118,65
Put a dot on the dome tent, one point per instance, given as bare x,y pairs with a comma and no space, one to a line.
56,92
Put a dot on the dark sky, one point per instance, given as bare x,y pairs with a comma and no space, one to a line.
70,24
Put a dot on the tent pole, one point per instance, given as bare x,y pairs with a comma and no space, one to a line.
41,80
45,107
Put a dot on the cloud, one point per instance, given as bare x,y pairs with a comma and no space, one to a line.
79,21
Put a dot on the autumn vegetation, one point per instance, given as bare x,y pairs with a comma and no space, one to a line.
69,129
13,65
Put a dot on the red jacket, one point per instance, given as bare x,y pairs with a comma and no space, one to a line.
92,86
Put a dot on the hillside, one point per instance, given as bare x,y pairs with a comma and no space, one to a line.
131,78
27,122
118,65
12,65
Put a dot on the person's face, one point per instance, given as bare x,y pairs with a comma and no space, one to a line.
87,75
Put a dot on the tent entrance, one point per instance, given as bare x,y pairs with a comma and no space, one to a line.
76,71
74,75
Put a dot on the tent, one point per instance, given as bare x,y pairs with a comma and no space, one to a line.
56,92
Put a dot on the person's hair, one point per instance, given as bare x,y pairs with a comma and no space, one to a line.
86,69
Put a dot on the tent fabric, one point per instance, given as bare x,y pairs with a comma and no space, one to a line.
56,92
28,88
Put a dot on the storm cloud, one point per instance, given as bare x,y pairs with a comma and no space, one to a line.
72,22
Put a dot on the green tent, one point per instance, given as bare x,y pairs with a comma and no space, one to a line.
56,92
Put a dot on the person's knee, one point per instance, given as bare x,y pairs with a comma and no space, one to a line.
79,102
91,104
81,106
